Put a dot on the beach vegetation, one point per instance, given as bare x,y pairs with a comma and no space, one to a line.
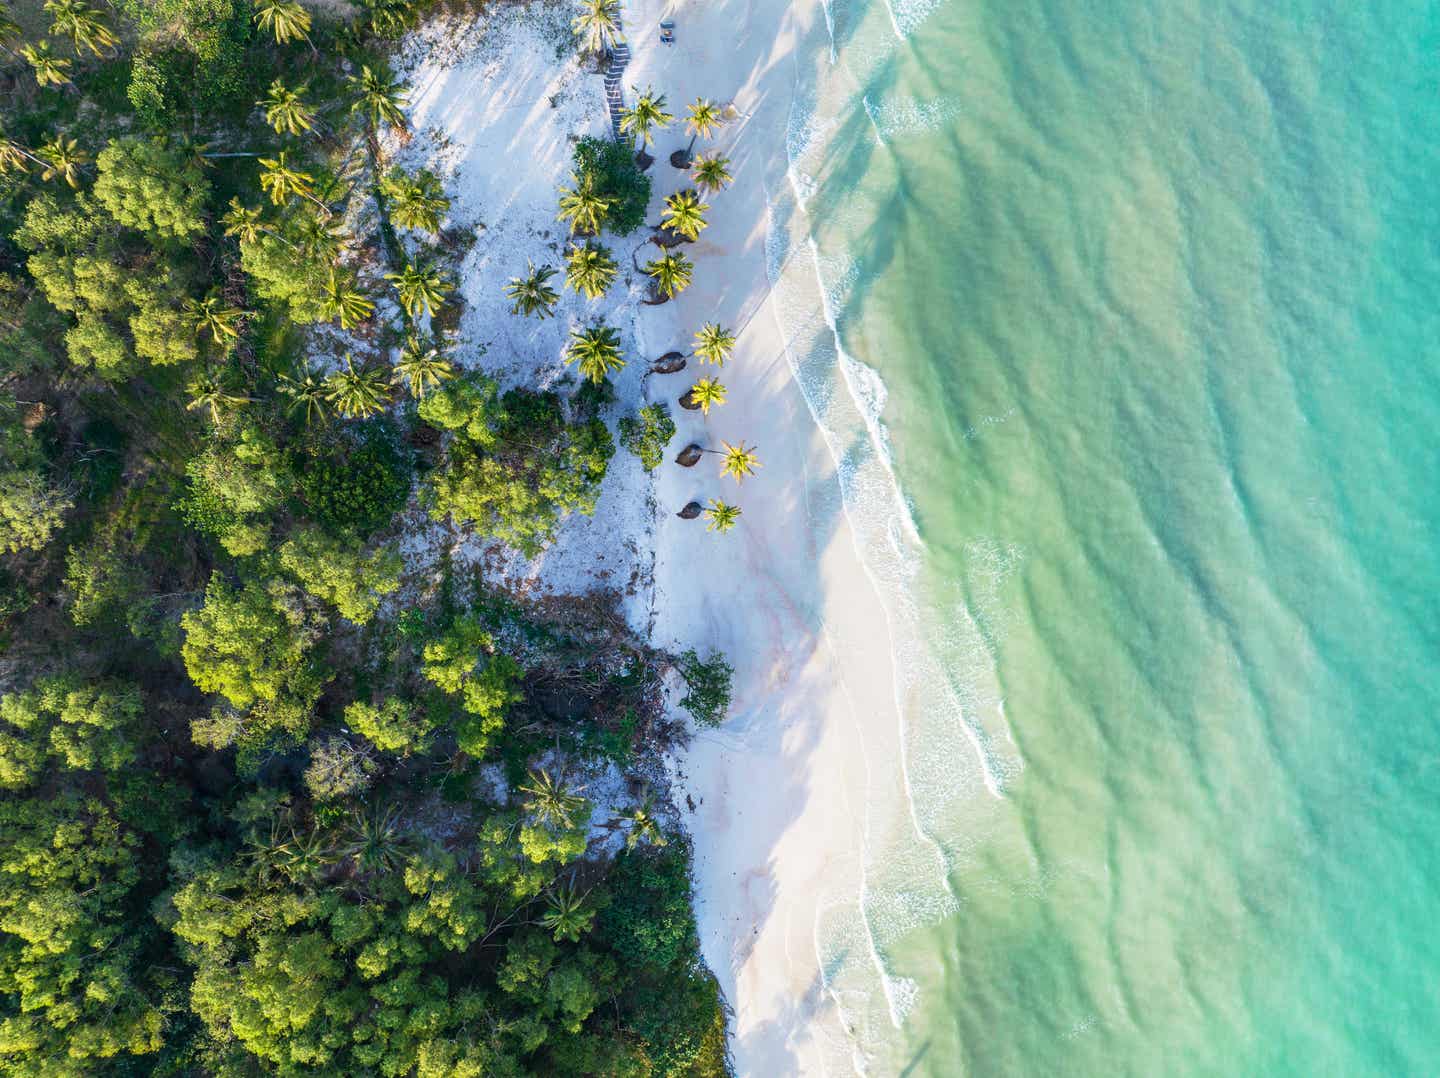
291,786
590,269
595,352
738,461
711,172
705,394
641,121
647,433
721,516
597,25
702,120
714,343
421,286
514,466
421,367
533,294
684,214
707,686
611,171
582,206
671,274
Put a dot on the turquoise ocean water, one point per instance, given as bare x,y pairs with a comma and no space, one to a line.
1139,307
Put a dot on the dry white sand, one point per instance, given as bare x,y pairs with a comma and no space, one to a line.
782,792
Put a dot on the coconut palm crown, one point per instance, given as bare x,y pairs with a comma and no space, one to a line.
344,300
287,20
583,207
707,392
306,389
739,461
357,393
422,287
285,109
533,294
711,172
702,121
422,368
549,801
380,96
50,70
685,214
671,272
590,269
713,344
597,26
645,117
721,516
596,350
85,26
63,159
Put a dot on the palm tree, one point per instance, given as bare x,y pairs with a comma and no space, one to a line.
712,173
306,389
705,394
50,70
281,182
357,394
597,25
297,856
721,516
549,801
13,157
63,160
320,239
582,206
597,350
671,273
642,120
532,293
422,368
389,17
375,841
422,287
210,393
9,28
83,25
212,316
702,121
590,269
415,201
344,300
643,826
685,214
286,19
381,97
243,222
714,344
567,916
739,461
285,109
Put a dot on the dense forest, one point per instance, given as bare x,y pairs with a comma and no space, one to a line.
272,803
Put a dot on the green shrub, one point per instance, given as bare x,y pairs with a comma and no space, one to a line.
647,434
708,685
613,172
359,482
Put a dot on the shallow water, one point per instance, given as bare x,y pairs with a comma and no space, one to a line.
1130,368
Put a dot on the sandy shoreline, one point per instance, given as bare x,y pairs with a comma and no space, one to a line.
780,791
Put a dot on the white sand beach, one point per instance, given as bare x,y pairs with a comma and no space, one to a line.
776,799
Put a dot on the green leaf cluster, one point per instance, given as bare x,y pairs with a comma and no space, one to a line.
514,469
